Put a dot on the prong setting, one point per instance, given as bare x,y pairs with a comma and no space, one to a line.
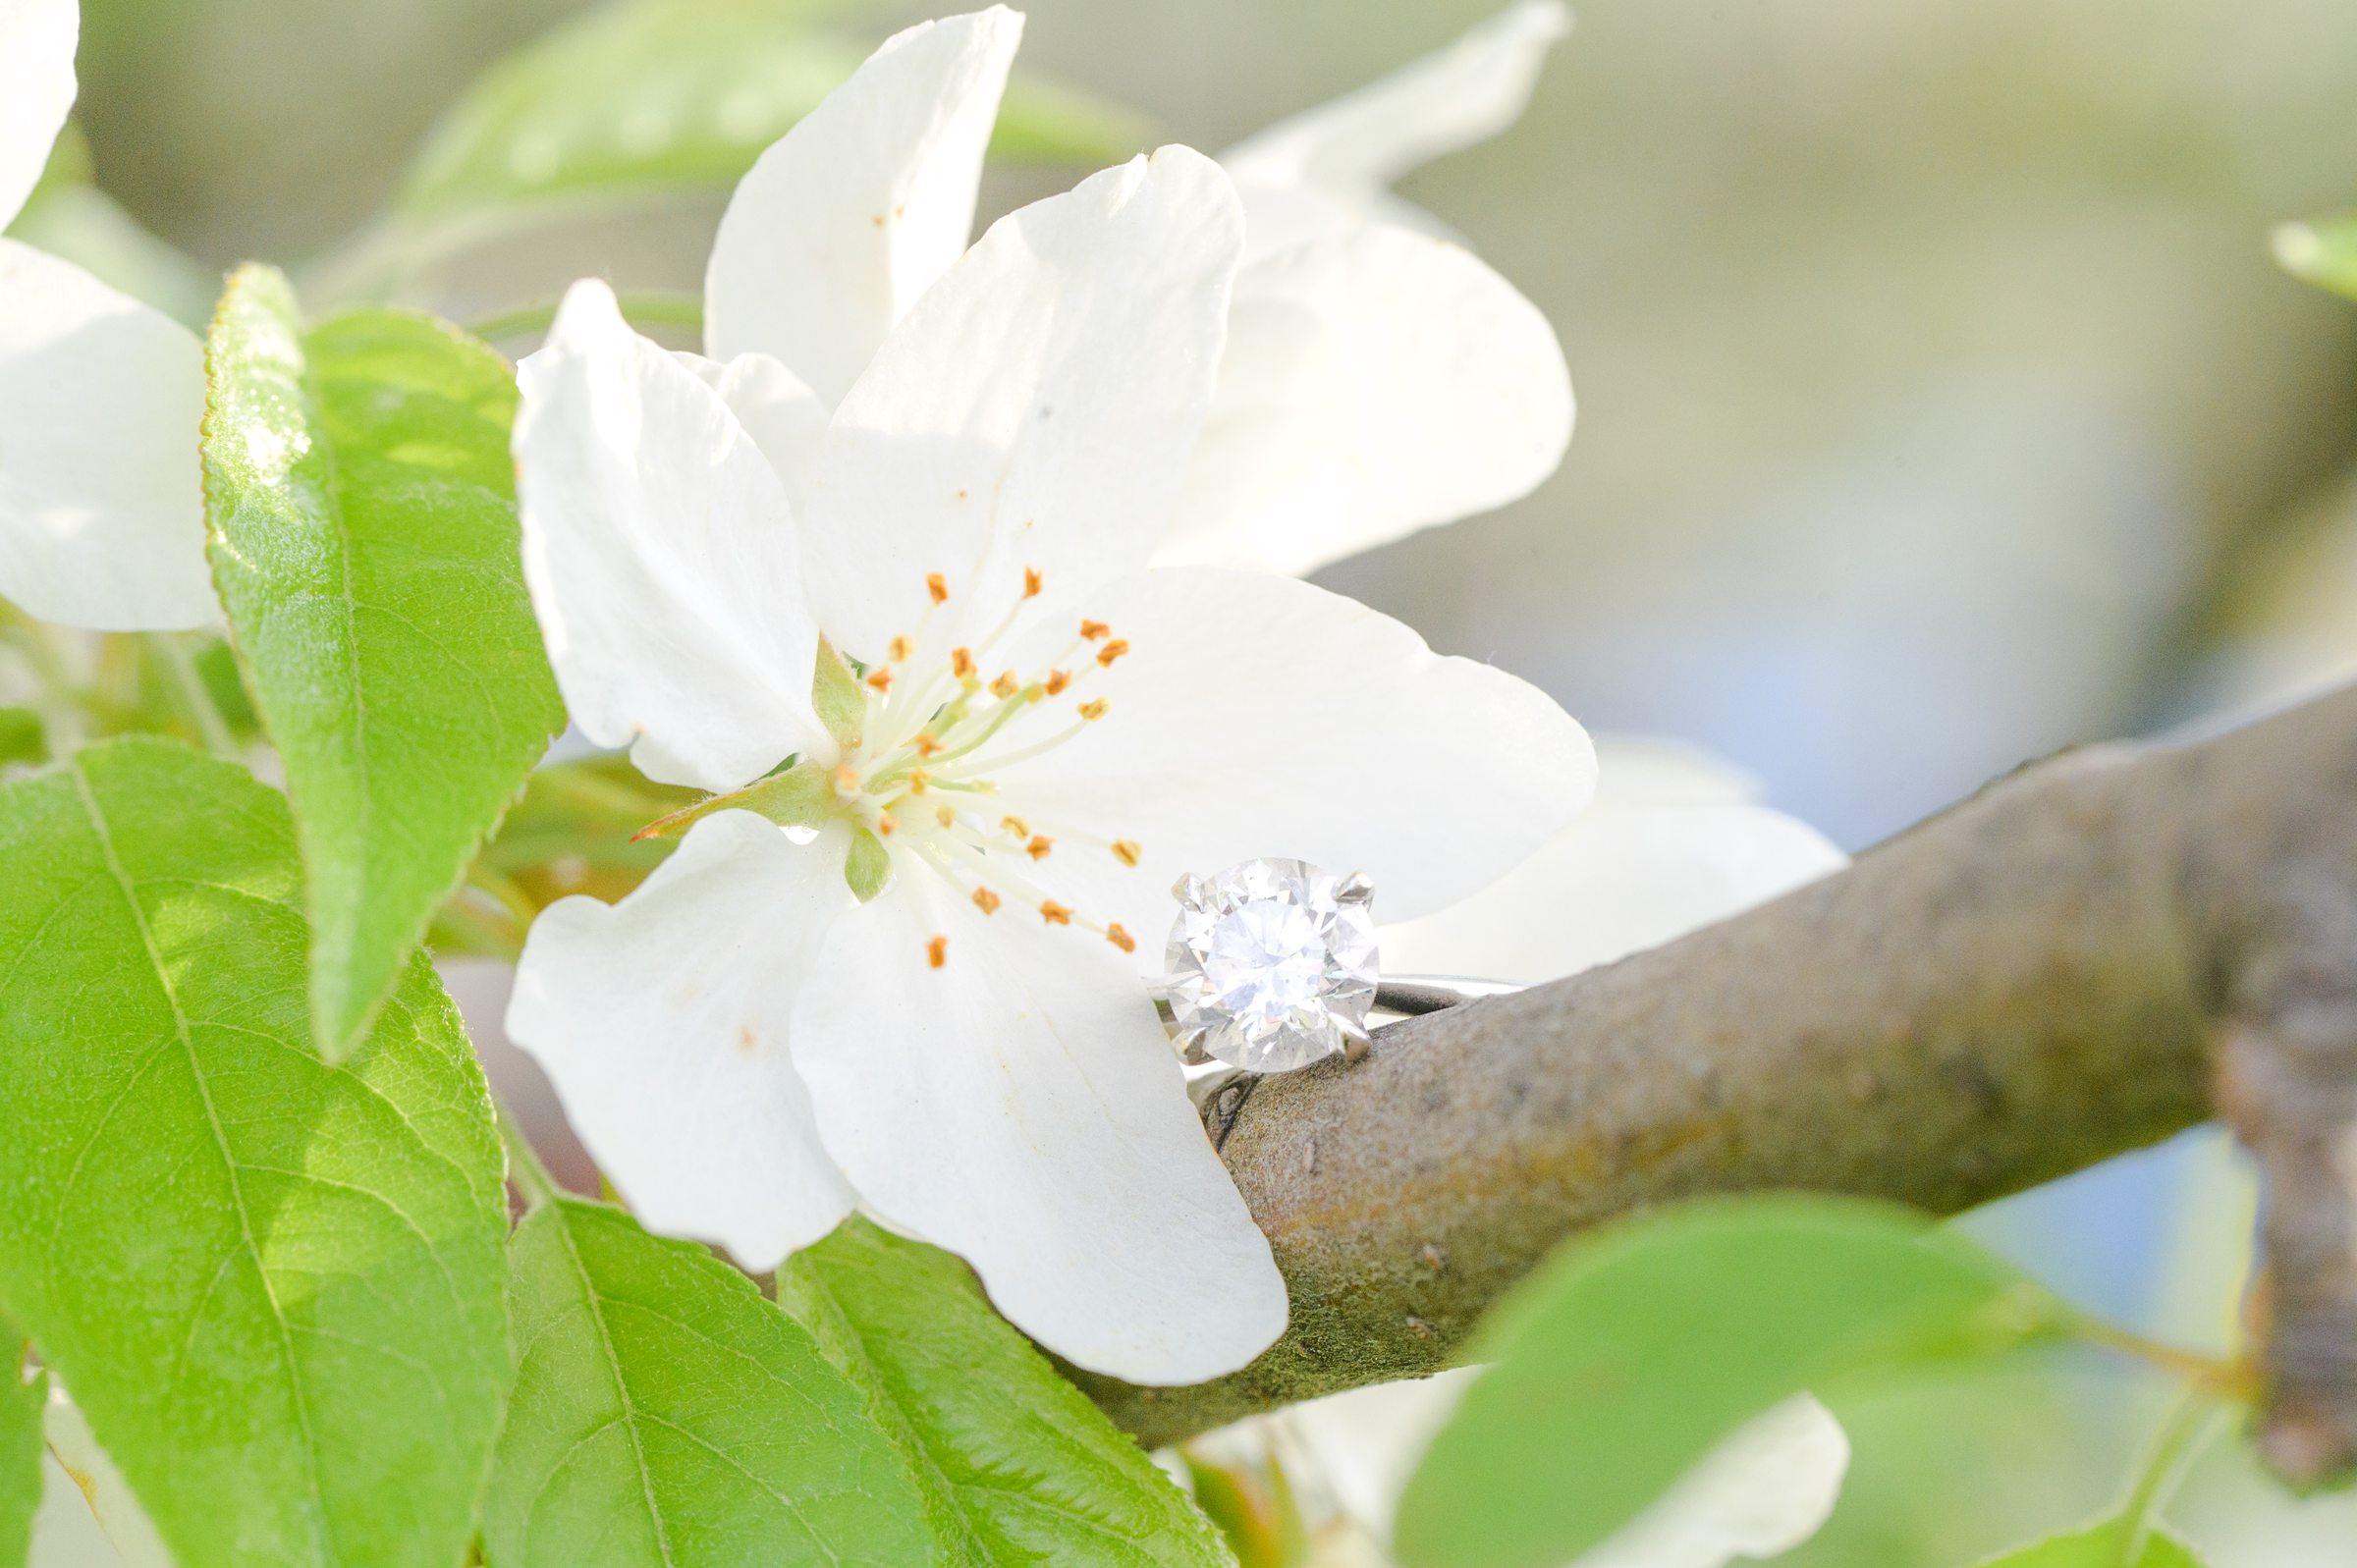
1356,1042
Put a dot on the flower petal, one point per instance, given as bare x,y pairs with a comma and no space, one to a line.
1648,771
1246,717
855,211
1614,882
662,1021
36,90
1035,410
783,415
1765,1488
1019,1106
659,547
1374,382
1360,142
102,494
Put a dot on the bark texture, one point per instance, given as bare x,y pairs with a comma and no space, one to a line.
2091,954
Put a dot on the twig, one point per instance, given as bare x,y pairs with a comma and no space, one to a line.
2035,981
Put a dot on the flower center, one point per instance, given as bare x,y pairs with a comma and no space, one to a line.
940,730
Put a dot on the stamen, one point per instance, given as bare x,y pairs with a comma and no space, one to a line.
917,779
1057,681
1054,913
962,662
926,746
937,951
1093,711
947,816
885,824
900,649
1112,650
1039,846
846,779
1016,825
1120,938
1126,852
1031,582
938,586
1006,685
880,678
1094,630
986,900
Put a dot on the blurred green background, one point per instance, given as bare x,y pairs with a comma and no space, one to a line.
1941,405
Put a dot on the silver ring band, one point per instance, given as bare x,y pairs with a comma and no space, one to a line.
1411,995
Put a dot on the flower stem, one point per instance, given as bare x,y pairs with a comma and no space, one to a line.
2224,1379
2165,1465
195,700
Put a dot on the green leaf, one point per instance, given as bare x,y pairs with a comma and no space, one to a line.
1017,1466
21,1401
1636,1348
2323,252
2103,1545
364,541
665,1414
649,96
275,1285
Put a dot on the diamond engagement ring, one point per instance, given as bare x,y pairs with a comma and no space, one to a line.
1272,966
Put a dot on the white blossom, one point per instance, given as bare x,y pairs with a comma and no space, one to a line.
101,502
1049,731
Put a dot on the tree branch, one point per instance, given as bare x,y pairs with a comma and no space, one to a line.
2052,973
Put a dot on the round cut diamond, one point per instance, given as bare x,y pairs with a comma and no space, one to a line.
1272,963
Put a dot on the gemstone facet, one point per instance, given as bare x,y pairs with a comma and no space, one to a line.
1272,963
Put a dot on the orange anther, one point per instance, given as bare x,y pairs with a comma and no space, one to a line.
986,900
880,678
1057,681
926,746
884,824
1016,825
1004,685
937,951
962,662
947,816
1126,852
1039,846
1093,711
846,779
1031,582
900,648
1120,938
1093,629
917,779
938,586
1054,913
1112,650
